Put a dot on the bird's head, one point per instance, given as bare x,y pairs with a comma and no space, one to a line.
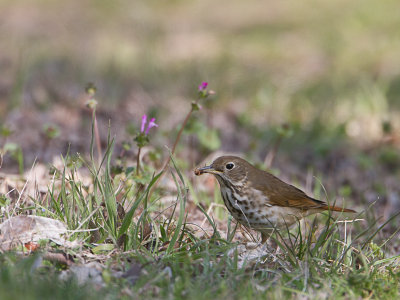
230,168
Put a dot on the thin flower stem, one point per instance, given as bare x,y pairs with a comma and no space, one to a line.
271,154
138,162
97,135
178,137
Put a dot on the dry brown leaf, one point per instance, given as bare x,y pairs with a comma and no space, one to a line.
31,229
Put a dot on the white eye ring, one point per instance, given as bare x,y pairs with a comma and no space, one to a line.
229,166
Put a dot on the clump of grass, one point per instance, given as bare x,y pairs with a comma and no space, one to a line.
95,209
117,214
337,259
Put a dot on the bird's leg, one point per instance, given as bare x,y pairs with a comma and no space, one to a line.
267,242
264,237
266,234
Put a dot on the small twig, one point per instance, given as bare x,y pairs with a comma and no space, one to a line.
81,230
61,258
82,223
351,247
350,221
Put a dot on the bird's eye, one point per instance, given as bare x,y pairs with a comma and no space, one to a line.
229,166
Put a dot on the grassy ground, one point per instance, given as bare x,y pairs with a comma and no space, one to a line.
151,248
331,260
316,80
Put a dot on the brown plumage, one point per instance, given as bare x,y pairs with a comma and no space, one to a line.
260,200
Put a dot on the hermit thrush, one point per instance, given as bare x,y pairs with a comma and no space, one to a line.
258,199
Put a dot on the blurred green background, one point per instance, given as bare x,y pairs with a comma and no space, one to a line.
329,69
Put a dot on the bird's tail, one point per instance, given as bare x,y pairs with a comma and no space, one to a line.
336,208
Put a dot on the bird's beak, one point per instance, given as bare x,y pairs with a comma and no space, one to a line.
206,169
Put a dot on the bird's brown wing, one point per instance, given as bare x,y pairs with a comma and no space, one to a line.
290,196
293,197
280,193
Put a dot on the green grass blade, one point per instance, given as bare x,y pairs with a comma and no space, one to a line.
129,215
182,204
